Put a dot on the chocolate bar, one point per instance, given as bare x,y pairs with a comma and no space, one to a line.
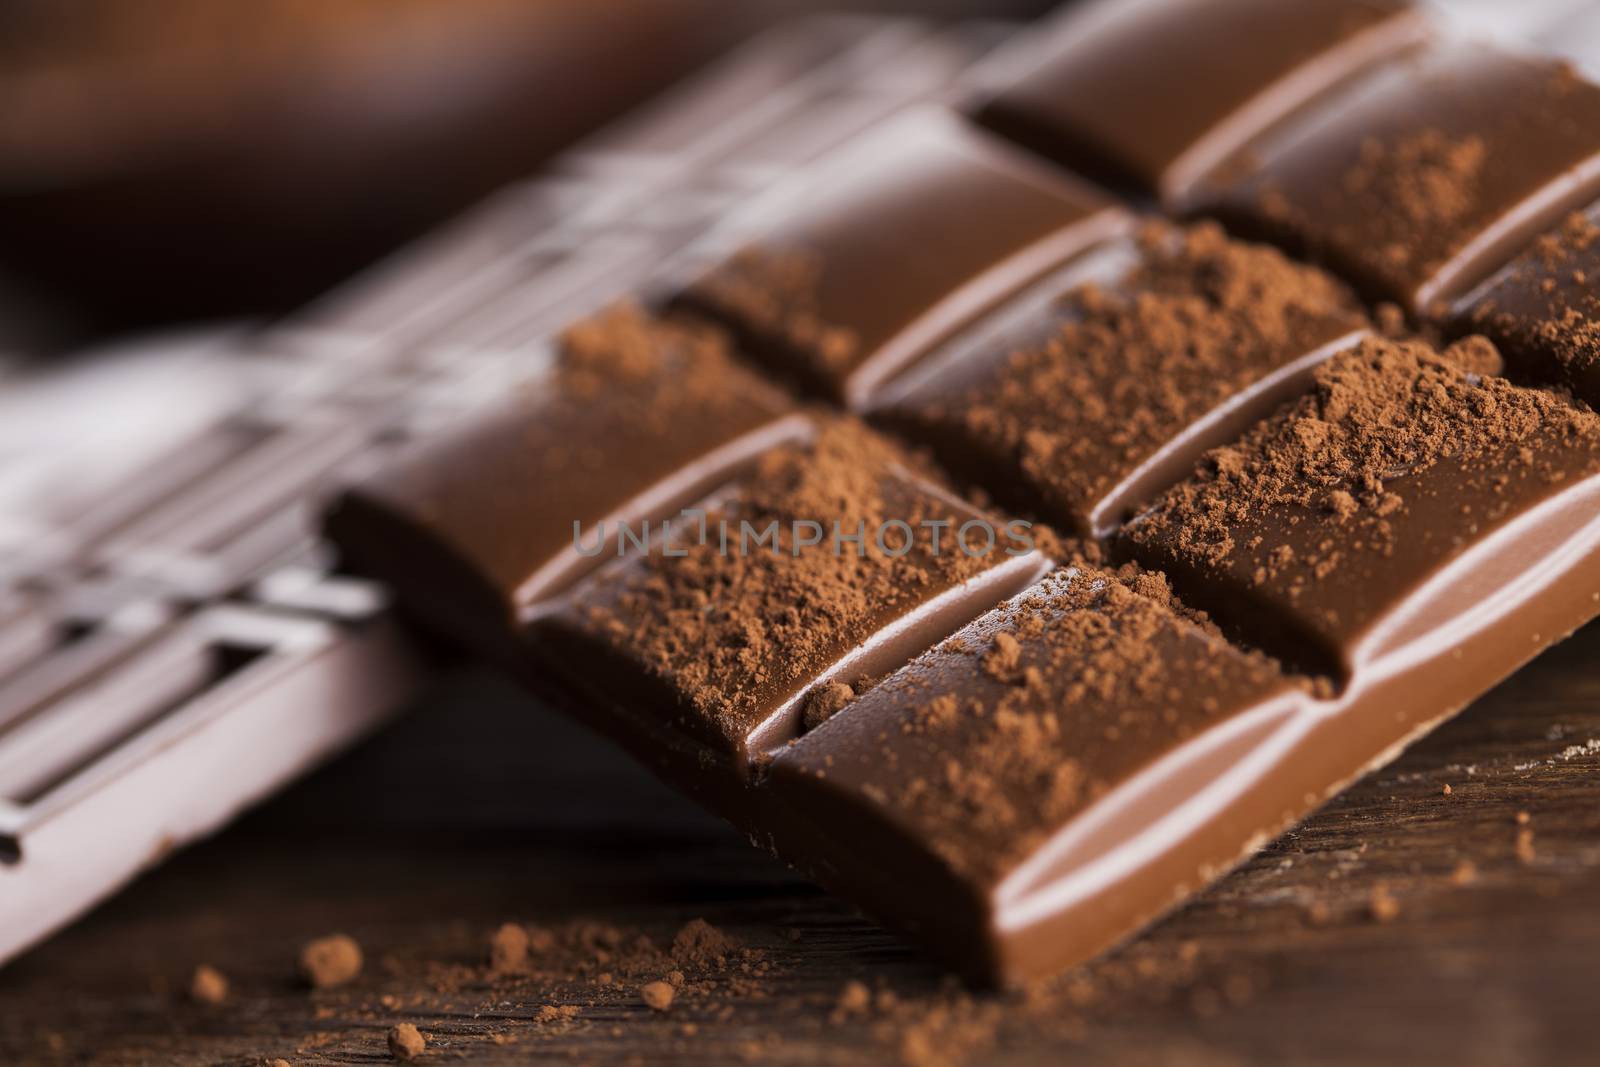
1217,536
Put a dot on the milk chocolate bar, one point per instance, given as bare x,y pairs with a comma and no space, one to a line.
1014,568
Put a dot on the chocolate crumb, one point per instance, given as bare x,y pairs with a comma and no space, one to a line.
658,995
1525,850
1382,905
824,702
208,985
1465,873
406,1042
508,948
854,999
330,961
700,944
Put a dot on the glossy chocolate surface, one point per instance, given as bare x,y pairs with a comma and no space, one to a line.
1155,94
1543,308
1423,179
831,295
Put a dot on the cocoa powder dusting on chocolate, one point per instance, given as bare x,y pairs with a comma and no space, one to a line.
1342,458
773,293
1391,191
655,371
1040,706
1127,366
729,633
1415,187
1545,309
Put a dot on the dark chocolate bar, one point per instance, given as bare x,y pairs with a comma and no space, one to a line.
1214,542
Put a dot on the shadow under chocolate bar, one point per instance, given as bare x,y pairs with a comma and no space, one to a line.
1218,534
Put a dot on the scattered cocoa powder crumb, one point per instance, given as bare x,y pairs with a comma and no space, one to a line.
1003,657
1447,790
1318,913
1523,818
854,999
1525,850
1390,319
824,702
553,1013
406,1042
700,944
508,948
208,985
330,961
1465,873
658,995
278,1063
540,940
1382,905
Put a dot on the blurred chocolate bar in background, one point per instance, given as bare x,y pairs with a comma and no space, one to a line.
200,159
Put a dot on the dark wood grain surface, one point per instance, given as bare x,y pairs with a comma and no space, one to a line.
1403,923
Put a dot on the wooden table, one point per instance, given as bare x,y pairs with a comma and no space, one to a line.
1404,923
